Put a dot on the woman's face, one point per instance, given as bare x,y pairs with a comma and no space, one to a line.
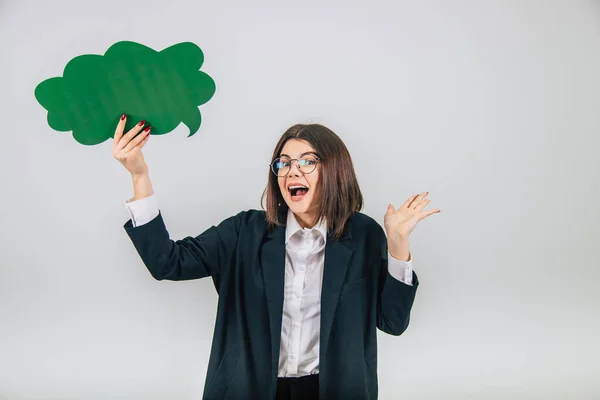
303,202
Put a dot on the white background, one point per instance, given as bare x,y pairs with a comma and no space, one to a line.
491,106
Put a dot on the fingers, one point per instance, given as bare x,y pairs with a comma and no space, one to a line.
415,202
138,139
418,200
144,141
130,135
428,213
422,205
119,129
408,202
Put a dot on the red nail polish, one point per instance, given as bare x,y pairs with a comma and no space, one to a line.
142,122
147,129
123,117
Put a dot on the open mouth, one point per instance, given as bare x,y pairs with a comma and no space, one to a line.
297,192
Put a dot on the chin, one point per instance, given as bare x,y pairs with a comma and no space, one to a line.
299,207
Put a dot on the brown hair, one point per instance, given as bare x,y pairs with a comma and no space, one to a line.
340,193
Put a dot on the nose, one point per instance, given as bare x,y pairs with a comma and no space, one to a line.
294,171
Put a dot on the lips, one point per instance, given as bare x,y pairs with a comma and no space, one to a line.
296,190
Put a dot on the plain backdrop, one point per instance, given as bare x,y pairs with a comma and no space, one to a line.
491,106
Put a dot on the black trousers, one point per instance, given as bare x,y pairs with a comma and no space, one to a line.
302,388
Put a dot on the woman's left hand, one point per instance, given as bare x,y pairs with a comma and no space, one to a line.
401,222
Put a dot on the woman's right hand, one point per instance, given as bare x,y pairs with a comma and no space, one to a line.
127,148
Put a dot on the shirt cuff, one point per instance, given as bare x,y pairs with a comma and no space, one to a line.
400,270
142,211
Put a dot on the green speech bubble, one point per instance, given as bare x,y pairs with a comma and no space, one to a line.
164,88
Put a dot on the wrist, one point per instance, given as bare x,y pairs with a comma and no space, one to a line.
137,177
142,186
396,237
399,249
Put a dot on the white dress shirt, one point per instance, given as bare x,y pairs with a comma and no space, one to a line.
304,264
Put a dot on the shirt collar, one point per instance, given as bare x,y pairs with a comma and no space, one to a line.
292,226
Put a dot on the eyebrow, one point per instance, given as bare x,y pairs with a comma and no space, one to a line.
303,154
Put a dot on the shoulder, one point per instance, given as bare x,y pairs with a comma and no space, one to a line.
248,218
362,224
247,222
252,216
367,232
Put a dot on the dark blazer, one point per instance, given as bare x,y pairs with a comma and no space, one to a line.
247,267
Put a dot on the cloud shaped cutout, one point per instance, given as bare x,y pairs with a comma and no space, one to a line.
164,88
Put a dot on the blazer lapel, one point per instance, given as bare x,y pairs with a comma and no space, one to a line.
337,258
273,270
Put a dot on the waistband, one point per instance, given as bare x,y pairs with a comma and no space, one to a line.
299,378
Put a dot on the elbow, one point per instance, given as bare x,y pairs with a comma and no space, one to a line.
164,267
392,327
157,273
159,269
158,277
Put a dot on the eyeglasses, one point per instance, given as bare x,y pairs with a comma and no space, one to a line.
306,164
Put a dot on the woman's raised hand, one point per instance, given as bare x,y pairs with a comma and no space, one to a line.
127,148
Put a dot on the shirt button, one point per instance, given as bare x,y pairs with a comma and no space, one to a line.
293,356
298,295
302,268
295,324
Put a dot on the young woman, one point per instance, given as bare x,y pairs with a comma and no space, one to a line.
302,285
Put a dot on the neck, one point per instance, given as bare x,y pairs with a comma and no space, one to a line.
305,220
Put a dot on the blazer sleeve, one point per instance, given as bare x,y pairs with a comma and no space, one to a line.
189,258
394,298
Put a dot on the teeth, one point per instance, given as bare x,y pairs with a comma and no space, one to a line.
297,187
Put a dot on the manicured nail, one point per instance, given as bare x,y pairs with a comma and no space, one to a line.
123,117
147,129
142,122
